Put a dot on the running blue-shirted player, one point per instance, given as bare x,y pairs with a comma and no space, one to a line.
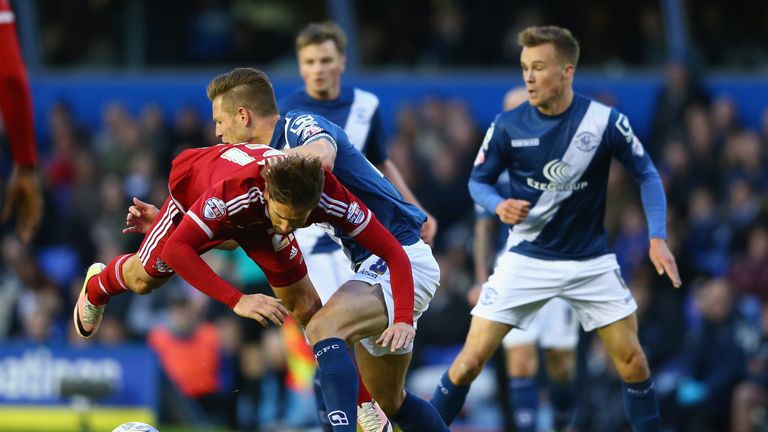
555,329
557,150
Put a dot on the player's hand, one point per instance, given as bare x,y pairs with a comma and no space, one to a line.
262,308
398,335
664,261
24,196
140,217
429,229
513,211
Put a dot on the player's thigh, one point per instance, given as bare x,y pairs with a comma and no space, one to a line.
300,298
426,279
517,289
355,311
384,376
597,292
483,338
620,337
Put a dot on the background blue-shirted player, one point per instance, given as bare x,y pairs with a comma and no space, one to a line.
557,149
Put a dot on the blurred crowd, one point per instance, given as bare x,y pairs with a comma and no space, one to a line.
118,33
706,342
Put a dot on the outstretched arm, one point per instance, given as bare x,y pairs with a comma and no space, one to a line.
181,254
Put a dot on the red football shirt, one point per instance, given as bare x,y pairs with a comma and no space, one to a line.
221,190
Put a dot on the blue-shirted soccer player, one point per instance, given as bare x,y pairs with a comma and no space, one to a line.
555,328
320,53
557,149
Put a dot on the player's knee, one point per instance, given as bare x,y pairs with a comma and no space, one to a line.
304,311
522,361
560,366
632,365
466,368
321,326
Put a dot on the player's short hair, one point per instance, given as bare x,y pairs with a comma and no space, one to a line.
566,46
317,33
295,180
244,87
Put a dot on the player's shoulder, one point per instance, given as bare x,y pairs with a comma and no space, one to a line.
358,94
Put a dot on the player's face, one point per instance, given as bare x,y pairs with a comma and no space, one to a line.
229,127
321,66
285,219
546,78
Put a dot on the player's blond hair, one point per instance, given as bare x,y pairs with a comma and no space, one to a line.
317,33
244,87
294,180
566,46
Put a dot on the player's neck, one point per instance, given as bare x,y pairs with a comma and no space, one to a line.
559,105
263,130
325,95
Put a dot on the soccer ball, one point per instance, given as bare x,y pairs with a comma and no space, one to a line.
135,427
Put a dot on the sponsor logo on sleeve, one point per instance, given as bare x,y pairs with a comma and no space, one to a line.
305,126
622,124
637,147
214,209
355,214
488,136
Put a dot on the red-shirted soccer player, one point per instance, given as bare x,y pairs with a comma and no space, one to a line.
23,193
256,196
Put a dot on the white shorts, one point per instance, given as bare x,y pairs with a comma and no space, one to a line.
555,326
521,285
426,279
328,271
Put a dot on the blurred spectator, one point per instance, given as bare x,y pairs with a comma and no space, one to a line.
749,273
715,360
681,89
708,237
189,349
750,399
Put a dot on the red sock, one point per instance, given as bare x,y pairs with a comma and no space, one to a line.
107,283
362,391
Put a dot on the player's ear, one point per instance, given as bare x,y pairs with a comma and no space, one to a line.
343,62
568,71
244,115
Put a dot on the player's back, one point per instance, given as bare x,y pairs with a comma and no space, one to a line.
196,170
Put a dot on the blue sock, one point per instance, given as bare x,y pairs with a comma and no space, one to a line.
640,406
562,399
322,413
338,377
449,398
524,396
418,415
